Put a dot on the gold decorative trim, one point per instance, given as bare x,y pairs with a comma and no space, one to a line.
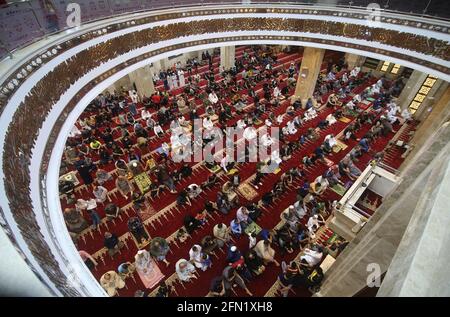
27,120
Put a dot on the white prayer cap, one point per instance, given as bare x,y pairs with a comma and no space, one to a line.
315,216
233,248
291,207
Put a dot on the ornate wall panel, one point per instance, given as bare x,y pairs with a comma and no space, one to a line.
33,222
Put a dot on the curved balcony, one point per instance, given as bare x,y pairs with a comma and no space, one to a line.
26,22
46,86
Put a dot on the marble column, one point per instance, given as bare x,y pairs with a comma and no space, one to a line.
420,265
377,243
354,60
124,82
142,78
411,88
309,72
227,55
439,114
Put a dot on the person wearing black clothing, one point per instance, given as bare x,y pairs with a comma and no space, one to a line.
209,207
254,263
185,170
138,201
112,211
217,288
137,229
85,170
191,224
112,243
164,290
183,198
267,198
254,211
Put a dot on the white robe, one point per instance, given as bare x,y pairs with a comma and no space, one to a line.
170,82
331,119
196,256
175,81
213,98
181,77
249,133
207,124
240,124
266,140
276,92
312,257
291,127
331,140
280,118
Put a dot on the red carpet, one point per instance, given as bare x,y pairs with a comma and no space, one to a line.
171,221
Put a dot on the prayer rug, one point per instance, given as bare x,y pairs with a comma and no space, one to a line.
215,169
247,191
339,146
329,162
143,182
253,228
339,189
71,177
345,120
232,171
144,243
147,213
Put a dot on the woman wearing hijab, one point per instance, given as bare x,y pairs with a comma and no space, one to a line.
147,269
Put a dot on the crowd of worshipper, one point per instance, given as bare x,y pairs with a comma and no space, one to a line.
92,145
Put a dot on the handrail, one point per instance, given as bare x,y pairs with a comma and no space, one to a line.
365,214
33,15
388,168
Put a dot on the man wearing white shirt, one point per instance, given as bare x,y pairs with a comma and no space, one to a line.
240,124
225,162
158,130
133,96
213,98
354,72
350,105
276,92
331,119
299,210
266,140
313,223
280,118
145,114
312,257
250,133
344,77
291,127
331,140
207,123
195,255
275,157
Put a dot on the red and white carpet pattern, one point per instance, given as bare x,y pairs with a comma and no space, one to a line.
166,217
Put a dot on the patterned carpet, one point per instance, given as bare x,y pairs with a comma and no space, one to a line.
163,217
